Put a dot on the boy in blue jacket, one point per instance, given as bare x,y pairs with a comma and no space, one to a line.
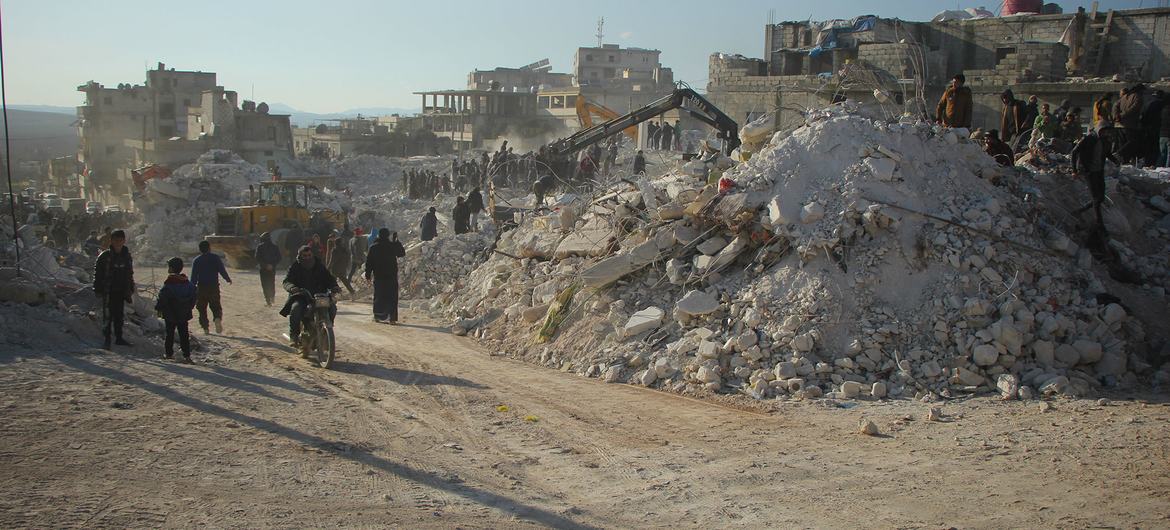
176,299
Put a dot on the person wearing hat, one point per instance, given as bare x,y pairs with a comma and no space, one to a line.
267,258
175,301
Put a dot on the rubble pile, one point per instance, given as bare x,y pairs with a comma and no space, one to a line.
177,212
854,257
430,267
371,174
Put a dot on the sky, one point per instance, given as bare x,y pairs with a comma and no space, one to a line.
343,54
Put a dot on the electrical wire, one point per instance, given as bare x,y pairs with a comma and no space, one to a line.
8,151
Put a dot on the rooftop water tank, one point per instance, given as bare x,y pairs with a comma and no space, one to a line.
1011,7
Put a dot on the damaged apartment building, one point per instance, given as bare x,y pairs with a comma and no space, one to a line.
169,121
1076,56
533,102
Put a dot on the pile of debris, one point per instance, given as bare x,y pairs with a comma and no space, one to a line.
852,257
446,262
177,212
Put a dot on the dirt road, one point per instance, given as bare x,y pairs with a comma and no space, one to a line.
418,428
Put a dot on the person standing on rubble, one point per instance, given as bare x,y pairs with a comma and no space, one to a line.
1031,111
1127,115
1088,159
639,163
428,228
1012,118
267,258
1045,126
1103,111
206,270
475,206
997,149
460,216
1152,128
954,109
382,269
667,136
113,282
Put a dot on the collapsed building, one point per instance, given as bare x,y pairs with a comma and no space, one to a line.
1078,56
171,120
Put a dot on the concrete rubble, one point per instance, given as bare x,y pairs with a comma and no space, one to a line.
819,275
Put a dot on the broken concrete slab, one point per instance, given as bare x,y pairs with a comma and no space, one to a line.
643,321
585,242
697,303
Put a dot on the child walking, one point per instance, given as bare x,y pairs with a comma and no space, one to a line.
176,299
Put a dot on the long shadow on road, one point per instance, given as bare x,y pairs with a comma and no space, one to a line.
354,453
401,376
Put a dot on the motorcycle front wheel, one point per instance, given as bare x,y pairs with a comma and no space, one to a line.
325,346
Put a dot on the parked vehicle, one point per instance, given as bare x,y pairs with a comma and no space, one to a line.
93,207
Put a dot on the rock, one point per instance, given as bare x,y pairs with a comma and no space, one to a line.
1055,385
1160,203
878,391
812,212
708,350
1090,351
662,368
643,321
545,292
776,212
588,242
1026,393
795,385
850,389
746,340
697,303
1008,386
535,313
867,427
882,168
712,246
646,377
967,377
934,414
708,374
1113,314
1043,351
985,355
812,392
612,374
784,370
803,342
1067,354
1111,363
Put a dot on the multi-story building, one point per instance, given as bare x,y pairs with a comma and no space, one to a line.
171,120
530,78
1076,56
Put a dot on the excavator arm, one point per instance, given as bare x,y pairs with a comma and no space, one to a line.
587,109
682,98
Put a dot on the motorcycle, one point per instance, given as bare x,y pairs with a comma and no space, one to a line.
317,342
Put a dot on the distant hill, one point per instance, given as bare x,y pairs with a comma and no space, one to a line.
56,109
302,118
41,135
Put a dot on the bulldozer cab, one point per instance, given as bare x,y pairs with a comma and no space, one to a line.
284,193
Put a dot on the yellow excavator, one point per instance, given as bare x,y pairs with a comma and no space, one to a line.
586,110
275,208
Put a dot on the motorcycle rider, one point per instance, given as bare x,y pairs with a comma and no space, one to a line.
306,276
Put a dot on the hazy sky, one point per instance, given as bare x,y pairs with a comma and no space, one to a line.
341,54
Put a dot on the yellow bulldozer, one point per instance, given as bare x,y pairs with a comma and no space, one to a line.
275,208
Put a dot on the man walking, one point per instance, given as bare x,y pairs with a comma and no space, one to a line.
113,282
267,258
205,273
474,206
1088,159
460,216
382,268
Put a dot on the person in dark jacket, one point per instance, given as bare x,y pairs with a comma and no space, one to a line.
359,244
206,270
306,276
1127,114
428,228
1152,128
543,187
474,206
459,216
639,163
998,150
382,268
113,282
176,299
1011,122
1088,159
339,258
267,258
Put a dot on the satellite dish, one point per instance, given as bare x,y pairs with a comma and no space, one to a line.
262,108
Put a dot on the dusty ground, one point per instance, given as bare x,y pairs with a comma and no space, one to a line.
406,431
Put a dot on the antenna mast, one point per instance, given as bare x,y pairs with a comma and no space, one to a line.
600,30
